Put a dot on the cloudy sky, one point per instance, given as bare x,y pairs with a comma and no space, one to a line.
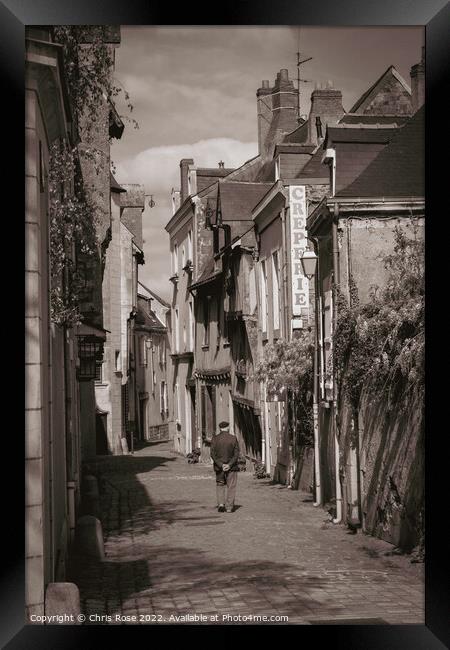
193,91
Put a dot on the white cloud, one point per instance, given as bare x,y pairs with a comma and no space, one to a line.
158,167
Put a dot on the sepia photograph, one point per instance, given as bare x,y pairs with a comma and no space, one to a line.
225,325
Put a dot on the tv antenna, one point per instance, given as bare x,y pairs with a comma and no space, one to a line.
300,62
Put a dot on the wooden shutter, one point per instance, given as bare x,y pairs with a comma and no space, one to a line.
328,344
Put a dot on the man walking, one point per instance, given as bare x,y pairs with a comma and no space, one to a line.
225,454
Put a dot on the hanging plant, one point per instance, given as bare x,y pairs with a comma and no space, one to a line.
76,206
287,368
72,232
88,67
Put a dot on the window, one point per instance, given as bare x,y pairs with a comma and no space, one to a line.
41,169
177,404
263,296
184,337
206,315
212,411
183,257
118,361
143,348
208,411
277,168
162,351
327,344
176,343
191,326
99,372
190,255
275,291
219,312
175,259
162,397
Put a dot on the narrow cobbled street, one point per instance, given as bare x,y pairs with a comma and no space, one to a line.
170,554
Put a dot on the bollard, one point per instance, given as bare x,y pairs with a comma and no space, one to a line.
62,601
90,497
89,537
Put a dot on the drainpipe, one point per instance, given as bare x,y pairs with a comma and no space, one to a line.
285,274
287,324
318,486
338,517
71,486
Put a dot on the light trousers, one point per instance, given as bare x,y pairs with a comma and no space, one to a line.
226,483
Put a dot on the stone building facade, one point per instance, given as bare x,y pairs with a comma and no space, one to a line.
115,387
256,272
152,349
60,399
377,479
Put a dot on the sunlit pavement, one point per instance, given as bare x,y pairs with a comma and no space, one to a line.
170,556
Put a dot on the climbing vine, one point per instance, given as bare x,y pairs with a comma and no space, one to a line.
382,343
72,232
287,367
76,206
88,65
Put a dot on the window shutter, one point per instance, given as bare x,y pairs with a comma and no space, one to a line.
328,344
321,350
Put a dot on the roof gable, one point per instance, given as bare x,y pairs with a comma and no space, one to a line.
390,94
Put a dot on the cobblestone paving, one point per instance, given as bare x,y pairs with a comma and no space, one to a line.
169,553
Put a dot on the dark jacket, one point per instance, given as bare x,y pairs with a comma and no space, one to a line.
225,449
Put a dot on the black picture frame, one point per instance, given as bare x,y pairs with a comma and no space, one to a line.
435,16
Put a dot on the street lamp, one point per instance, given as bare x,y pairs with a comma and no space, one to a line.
309,262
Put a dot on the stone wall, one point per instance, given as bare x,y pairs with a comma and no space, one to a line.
391,99
386,473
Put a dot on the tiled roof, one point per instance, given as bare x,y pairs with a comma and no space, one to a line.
207,176
298,135
355,134
214,171
114,185
237,199
209,274
399,169
294,147
267,172
247,171
315,168
148,320
154,295
357,118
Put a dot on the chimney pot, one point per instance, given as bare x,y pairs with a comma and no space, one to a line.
265,83
284,74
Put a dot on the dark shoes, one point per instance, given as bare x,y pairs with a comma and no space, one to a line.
221,508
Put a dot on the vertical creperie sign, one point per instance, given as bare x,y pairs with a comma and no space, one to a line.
297,208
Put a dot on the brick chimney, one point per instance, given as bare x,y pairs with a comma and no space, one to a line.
184,171
326,103
418,83
276,112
